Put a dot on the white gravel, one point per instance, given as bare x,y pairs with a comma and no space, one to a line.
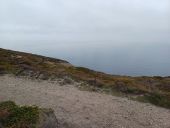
82,109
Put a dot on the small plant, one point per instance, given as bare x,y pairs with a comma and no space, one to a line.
158,99
13,116
86,70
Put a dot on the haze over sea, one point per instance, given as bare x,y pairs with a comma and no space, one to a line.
114,36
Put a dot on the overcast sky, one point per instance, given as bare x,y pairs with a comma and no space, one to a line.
109,26
85,20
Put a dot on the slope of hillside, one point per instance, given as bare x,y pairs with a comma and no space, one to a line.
82,109
155,90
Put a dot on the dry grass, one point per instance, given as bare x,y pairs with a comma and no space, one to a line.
28,64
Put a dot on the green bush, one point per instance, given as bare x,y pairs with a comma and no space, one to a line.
15,116
158,99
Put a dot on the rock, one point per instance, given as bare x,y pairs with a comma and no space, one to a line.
43,76
67,80
47,119
19,57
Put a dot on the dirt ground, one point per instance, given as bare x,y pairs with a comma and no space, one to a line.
83,109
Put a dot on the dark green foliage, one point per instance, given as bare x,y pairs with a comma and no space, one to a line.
7,105
128,89
15,116
158,77
158,99
86,70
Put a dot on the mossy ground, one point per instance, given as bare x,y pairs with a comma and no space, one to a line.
14,116
156,99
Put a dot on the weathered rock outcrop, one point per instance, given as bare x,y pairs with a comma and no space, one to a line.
47,119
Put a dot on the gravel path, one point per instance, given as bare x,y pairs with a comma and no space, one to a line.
82,109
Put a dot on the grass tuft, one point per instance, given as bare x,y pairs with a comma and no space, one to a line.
13,116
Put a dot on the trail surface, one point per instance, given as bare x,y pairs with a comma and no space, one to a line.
82,109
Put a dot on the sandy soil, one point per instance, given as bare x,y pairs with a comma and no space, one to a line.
82,109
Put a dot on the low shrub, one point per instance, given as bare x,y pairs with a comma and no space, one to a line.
158,99
13,116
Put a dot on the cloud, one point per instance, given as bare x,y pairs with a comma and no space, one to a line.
116,21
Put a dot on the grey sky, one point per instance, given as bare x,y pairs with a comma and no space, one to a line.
86,20
132,30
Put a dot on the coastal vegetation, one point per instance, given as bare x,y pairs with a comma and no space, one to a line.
152,89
